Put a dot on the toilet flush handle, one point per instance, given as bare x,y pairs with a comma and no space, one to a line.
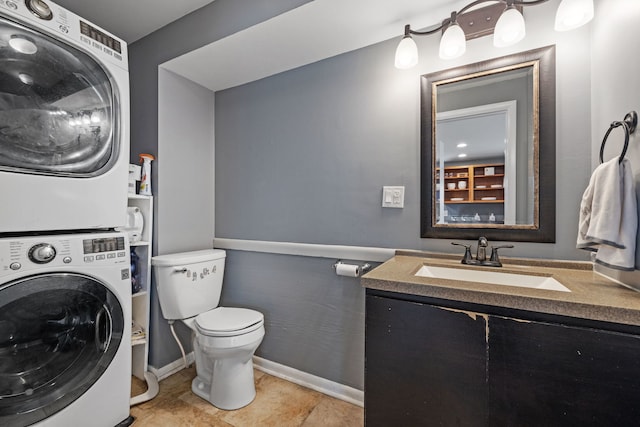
180,270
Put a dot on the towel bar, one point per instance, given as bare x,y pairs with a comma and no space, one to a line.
629,124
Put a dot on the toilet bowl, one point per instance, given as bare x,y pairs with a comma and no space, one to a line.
224,338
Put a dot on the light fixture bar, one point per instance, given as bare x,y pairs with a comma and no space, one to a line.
503,17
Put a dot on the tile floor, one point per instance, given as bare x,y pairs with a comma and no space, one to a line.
278,403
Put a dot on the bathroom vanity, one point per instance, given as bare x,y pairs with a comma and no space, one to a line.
441,351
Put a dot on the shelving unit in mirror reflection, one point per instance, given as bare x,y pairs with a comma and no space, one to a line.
462,189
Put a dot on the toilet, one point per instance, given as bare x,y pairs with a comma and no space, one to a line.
224,338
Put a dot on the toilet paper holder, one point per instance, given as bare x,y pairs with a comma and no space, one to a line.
361,269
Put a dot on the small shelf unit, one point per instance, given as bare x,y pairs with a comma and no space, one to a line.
140,302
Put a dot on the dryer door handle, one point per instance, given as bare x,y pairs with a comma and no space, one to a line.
103,331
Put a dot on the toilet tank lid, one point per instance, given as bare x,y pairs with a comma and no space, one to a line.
182,258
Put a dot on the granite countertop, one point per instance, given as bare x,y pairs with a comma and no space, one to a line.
592,295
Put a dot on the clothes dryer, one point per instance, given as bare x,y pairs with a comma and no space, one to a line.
65,330
64,121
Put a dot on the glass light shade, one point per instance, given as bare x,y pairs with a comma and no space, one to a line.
573,14
509,29
406,53
453,43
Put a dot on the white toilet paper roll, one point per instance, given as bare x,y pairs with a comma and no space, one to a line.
348,270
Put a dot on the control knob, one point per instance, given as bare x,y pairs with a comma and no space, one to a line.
40,9
42,253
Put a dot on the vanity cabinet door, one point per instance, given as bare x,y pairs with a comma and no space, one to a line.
544,374
424,365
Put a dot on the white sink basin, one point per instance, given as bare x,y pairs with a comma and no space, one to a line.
492,277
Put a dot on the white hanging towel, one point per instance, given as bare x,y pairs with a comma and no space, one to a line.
609,216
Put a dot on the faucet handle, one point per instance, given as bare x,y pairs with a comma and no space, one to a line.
494,253
467,258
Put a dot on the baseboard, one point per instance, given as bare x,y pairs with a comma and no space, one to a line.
171,368
322,385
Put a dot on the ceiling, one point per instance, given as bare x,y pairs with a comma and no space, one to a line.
131,20
488,144
314,31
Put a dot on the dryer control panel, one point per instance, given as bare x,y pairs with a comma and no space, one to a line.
33,253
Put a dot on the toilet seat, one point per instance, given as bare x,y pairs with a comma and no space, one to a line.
228,321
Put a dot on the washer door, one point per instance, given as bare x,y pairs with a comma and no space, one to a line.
58,107
58,335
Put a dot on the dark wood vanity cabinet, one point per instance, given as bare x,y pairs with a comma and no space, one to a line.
543,373
424,365
431,363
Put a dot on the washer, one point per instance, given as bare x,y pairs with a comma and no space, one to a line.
64,121
65,330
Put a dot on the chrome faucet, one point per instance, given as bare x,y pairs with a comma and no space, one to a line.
481,254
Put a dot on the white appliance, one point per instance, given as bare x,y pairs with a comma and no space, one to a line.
134,225
65,330
64,121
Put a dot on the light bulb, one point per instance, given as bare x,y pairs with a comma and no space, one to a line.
453,43
406,53
509,29
573,14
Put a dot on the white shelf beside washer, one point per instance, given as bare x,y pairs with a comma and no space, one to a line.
140,301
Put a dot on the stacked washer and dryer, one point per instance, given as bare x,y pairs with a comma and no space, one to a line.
65,288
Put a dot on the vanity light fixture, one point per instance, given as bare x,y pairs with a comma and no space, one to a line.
510,27
453,43
472,22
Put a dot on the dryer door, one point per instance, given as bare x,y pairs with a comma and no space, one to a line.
58,107
58,334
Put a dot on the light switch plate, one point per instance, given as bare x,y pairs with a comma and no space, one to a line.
393,197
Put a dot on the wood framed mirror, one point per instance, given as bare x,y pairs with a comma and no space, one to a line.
488,149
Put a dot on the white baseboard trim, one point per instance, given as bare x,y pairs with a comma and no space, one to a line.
307,249
171,368
322,385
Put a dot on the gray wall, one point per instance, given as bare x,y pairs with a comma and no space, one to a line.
313,320
185,160
192,229
616,86
302,156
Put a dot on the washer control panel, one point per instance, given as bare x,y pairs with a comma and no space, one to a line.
32,253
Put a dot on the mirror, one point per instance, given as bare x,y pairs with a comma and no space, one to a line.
488,149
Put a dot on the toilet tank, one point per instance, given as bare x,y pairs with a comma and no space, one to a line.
189,283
